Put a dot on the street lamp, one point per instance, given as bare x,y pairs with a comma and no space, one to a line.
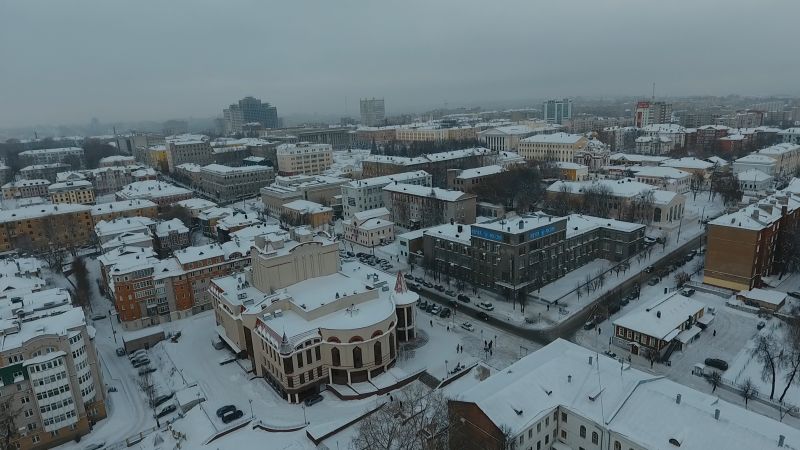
252,416
445,368
305,420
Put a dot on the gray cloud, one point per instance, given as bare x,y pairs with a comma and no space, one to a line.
64,62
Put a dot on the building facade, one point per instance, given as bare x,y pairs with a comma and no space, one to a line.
72,192
26,189
37,228
53,155
367,194
553,147
414,206
304,158
249,110
557,111
373,112
227,184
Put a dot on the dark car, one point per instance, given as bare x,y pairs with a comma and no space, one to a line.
158,401
613,308
624,301
418,279
716,363
445,313
231,416
423,304
120,351
313,400
169,409
450,293
145,371
225,410
408,276
463,298
140,362
439,288
652,282
483,316
589,325
649,269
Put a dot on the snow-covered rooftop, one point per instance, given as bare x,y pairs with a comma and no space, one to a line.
151,189
637,158
386,179
780,149
425,191
555,138
122,225
755,158
166,227
69,185
476,172
660,317
120,206
26,183
31,212
688,163
753,175
431,157
306,207
196,203
660,172
569,165
219,169
765,295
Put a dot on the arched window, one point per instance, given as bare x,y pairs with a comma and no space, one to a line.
617,445
595,438
656,214
334,339
391,345
336,359
378,353
377,333
356,339
357,362
583,431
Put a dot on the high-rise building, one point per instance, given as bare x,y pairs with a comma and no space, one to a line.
648,113
557,111
373,112
249,110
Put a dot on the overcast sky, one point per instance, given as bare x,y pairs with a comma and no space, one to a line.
67,61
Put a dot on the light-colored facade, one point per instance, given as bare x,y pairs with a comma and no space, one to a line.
187,148
72,192
227,184
470,180
159,192
665,178
319,189
553,147
304,212
304,158
651,112
47,172
52,155
413,206
49,370
369,228
26,189
373,112
367,194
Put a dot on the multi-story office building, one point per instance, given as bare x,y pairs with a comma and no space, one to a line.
571,388
319,189
790,135
230,155
745,246
79,191
249,110
159,192
557,111
367,194
304,324
338,138
51,376
125,208
414,206
185,148
68,155
436,164
515,256
651,112
226,184
35,228
373,112
304,212
25,189
469,180
553,147
304,158
47,172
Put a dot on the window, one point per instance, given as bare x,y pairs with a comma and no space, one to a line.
521,439
563,434
595,437
547,421
378,353
564,417
538,445
617,445
336,359
539,427
546,439
583,431
357,362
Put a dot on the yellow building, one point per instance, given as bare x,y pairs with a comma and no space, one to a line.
79,191
552,147
35,228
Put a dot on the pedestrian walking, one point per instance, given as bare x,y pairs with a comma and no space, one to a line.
448,328
714,333
431,322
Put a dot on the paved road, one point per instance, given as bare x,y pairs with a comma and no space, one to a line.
567,328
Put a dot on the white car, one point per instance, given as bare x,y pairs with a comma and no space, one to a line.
467,326
486,305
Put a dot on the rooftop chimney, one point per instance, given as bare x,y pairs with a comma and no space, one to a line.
590,360
569,378
678,399
716,414
781,439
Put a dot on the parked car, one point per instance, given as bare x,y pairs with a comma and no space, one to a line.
450,293
445,313
147,370
418,279
486,305
482,315
428,284
688,292
439,288
589,325
141,362
624,301
463,298
613,308
423,304
467,326
231,416
436,310
610,354
120,351
169,409
98,316
794,294
141,353
717,363
761,325
408,276
158,401
652,282
225,410
649,269
313,400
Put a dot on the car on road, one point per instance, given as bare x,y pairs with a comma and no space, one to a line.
463,298
435,310
794,294
408,276
716,363
610,354
761,325
688,292
313,400
231,416
649,269
653,282
486,305
169,409
589,325
120,351
450,293
467,326
482,315
445,313
225,410
98,316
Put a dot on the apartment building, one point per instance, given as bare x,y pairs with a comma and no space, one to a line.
227,184
171,235
304,158
572,171
26,189
469,180
786,156
708,136
414,206
666,178
571,388
515,256
651,112
303,324
49,369
369,228
436,164
744,246
553,147
249,110
53,155
159,192
47,172
72,192
373,111
304,212
35,228
124,208
653,145
367,194
790,135
319,189
187,148
117,161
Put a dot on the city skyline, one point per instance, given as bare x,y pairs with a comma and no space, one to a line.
327,68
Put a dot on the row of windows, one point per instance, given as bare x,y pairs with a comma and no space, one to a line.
79,352
56,405
58,362
52,392
50,379
59,418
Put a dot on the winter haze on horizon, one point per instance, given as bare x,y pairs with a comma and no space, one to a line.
65,62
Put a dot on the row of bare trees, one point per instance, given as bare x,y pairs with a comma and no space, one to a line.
779,357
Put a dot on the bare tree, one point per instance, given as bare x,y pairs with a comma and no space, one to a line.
82,285
596,200
715,379
792,359
696,183
8,419
749,391
770,354
681,278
